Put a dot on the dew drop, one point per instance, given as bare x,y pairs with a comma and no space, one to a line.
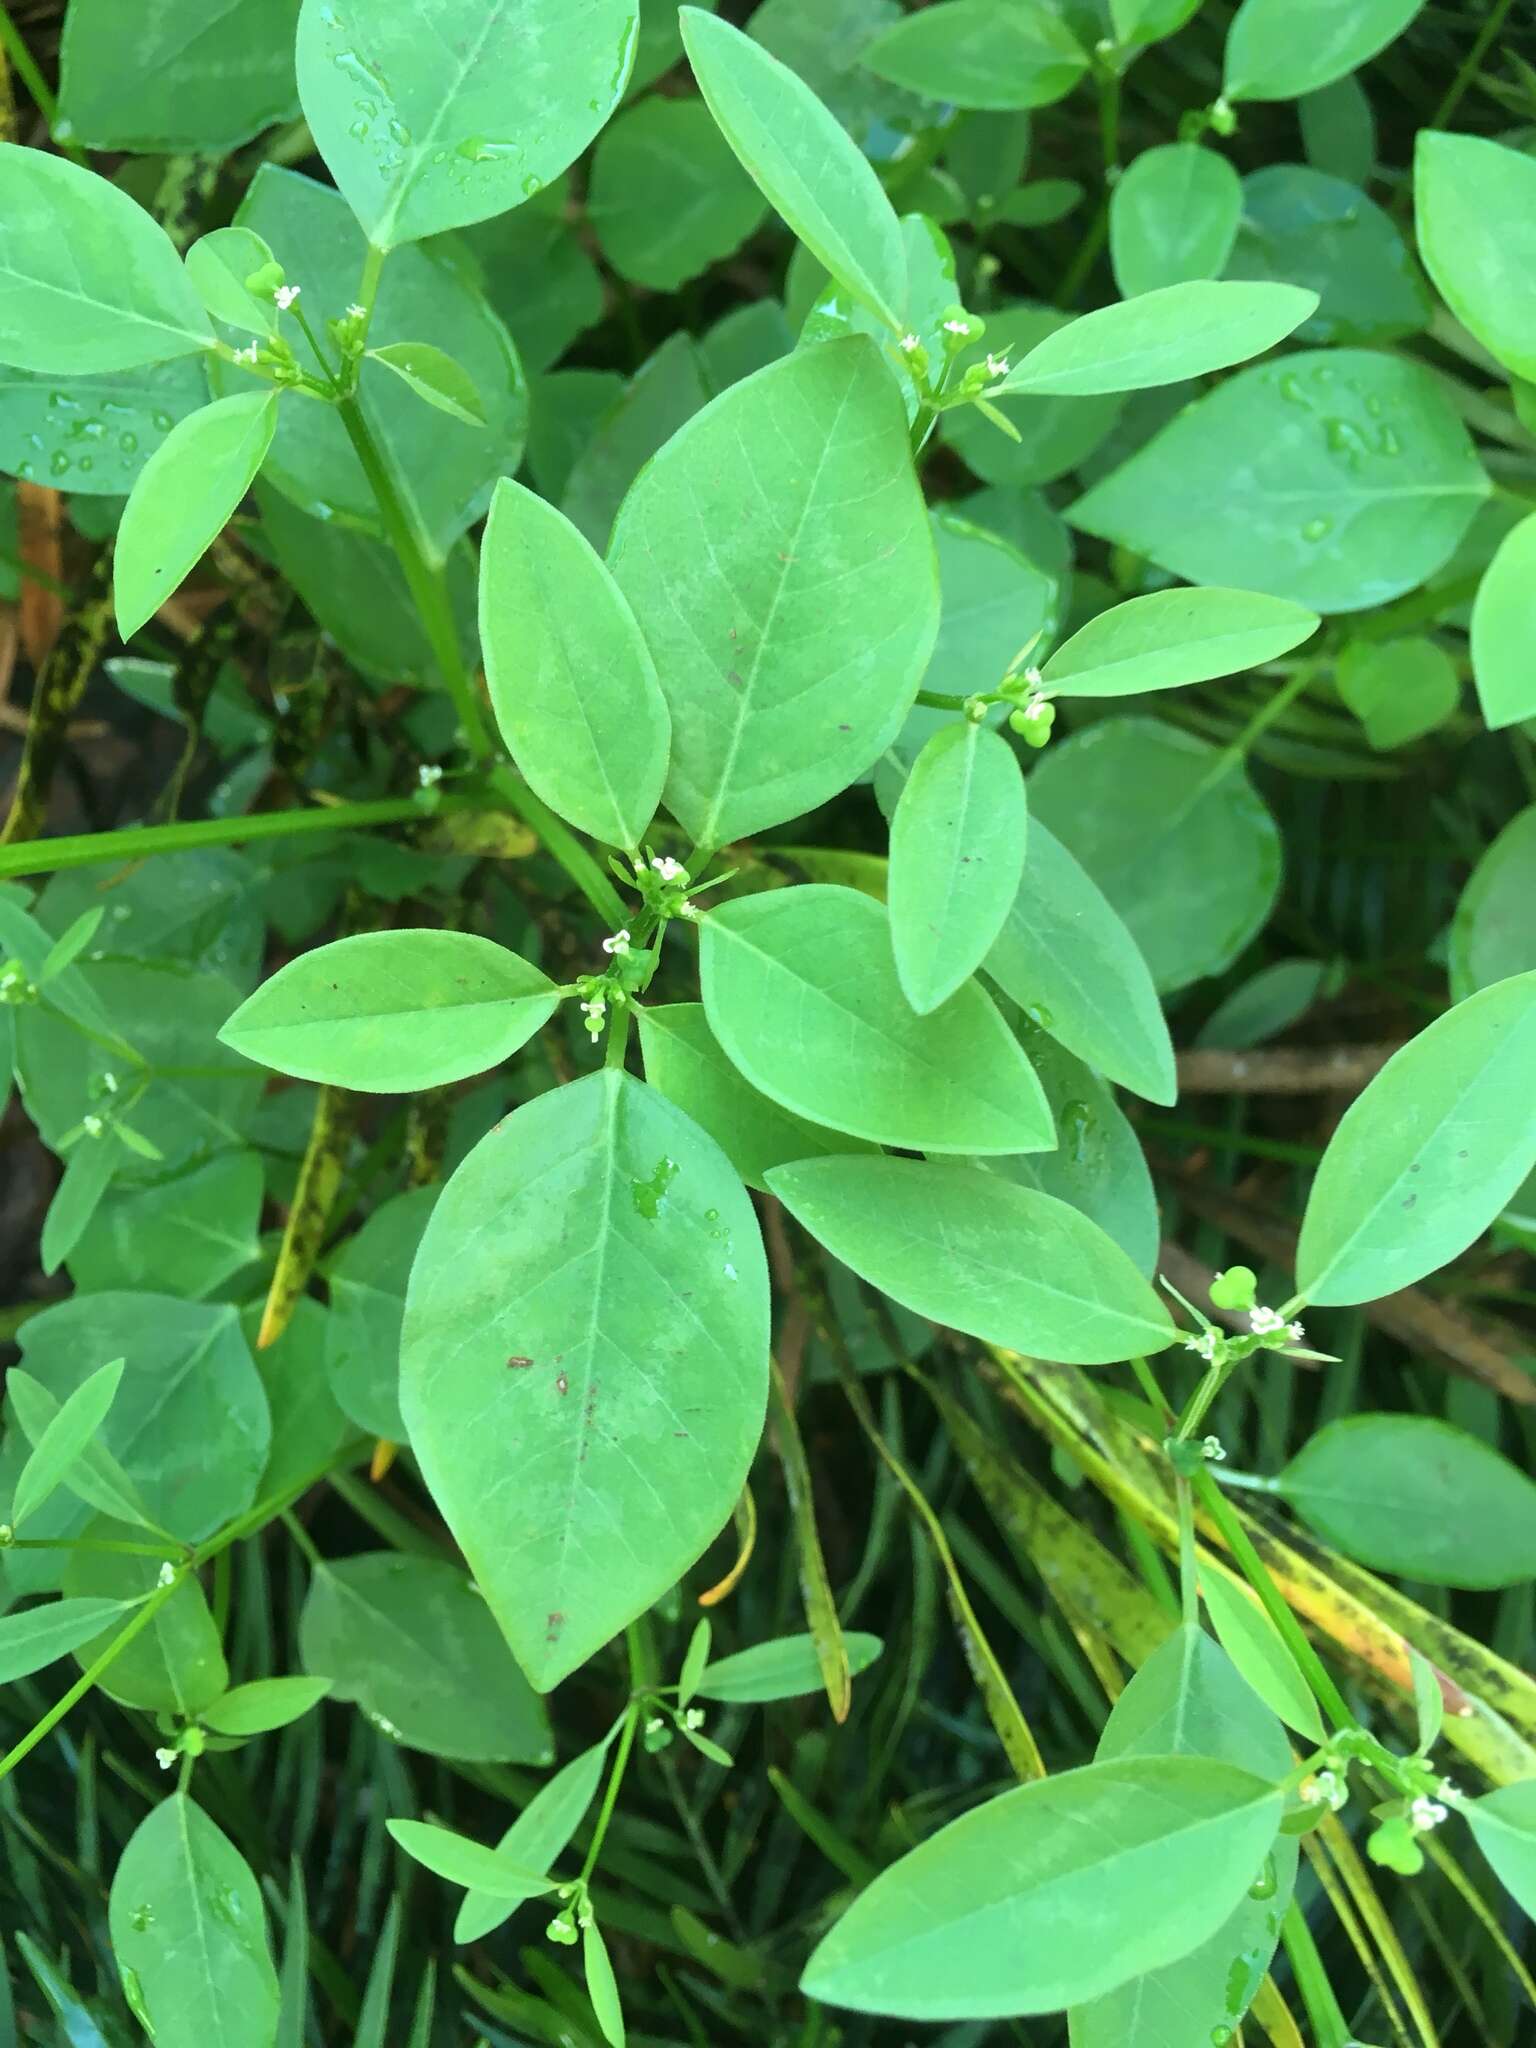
128,443
163,422
141,1919
60,462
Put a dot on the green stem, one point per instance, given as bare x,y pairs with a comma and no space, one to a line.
139,842
1274,707
1329,2025
42,93
584,869
611,1794
1470,62
1236,1538
85,1543
368,284
1189,1585
941,700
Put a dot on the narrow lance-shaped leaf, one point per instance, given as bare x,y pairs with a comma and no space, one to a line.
602,1985
88,280
784,1668
469,1863
394,1011
539,1835
1504,1824
39,1636
93,1475
1260,1653
584,1360
803,160
1171,638
1003,1262
572,682
1162,337
264,1704
63,1439
1429,1154
435,377
183,499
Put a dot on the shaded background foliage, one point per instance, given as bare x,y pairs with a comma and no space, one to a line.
291,663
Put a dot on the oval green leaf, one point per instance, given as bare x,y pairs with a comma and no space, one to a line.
1503,629
985,1920
1174,637
393,1011
1476,207
571,679
974,53
980,1253
219,264
1504,1824
541,1832
435,377
777,556
800,989
1493,934
787,1668
585,1359
1161,337
264,1704
1429,1154
1173,217
469,1863
1256,1647
667,195
957,853
1280,49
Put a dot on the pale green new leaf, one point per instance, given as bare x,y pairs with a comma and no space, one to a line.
188,1922
1504,628
1256,1647
39,1635
64,1439
1069,962
584,1360
449,111
987,1918
785,1668
394,1011
435,377
1429,1154
1280,49
463,1861
980,1253
1173,217
776,554
264,1704
219,264
602,1985
1413,1495
1161,337
975,53
173,1665
957,854
1476,207
183,498
1504,1824
801,991
541,1833
802,160
1174,637
88,280
571,679
1428,1700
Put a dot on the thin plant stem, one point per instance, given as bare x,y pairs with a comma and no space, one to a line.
27,71
611,1792
1458,85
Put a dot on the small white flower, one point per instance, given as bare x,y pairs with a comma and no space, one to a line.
997,366
689,910
356,313
694,1718
165,1758
1268,1322
1325,1788
247,354
167,1574
1449,1791
670,870
1425,1814
1211,1448
1204,1346
109,1083
909,344
654,1724
92,1126
618,945
284,296
428,773
957,326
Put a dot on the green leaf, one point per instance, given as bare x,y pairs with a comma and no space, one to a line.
786,1668
1503,1823
1476,207
802,160
38,1637
366,1282
434,376
1173,217
1428,1700
466,1862
684,1060
800,989
264,1704
993,601
931,293
585,1425
175,1664
426,132
182,1236
94,1475
1492,933
776,554
957,855
1256,1647
572,682
444,470
602,1985
188,1922
1264,1005
540,1834
1174,637
980,1253
219,265
986,1918
412,1642
1338,478
1398,689
1503,622
174,77
89,1170
1055,434
92,283
1189,1700
1068,961
1425,1159
183,499
64,1439
694,1661
394,1011
536,275
93,435
1338,130
974,53
1280,49
1161,337
667,196
1413,1495
1302,227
